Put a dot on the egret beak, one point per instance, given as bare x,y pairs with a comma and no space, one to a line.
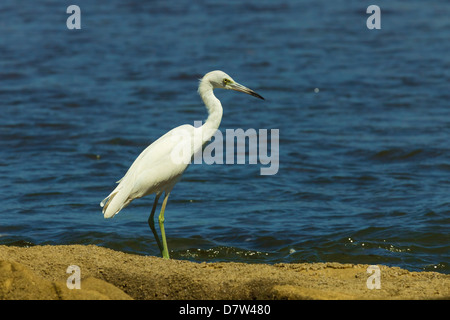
238,87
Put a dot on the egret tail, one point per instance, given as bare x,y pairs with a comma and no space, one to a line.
115,202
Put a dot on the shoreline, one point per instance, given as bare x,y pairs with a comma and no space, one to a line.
40,272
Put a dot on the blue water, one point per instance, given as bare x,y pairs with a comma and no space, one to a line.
363,117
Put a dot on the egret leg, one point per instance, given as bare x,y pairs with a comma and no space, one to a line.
165,251
151,223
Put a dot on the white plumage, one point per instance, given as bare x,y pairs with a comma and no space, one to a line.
160,166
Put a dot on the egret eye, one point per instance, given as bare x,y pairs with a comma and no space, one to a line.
226,81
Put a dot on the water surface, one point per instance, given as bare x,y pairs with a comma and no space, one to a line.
363,118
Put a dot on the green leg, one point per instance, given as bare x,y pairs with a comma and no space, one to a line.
151,223
165,251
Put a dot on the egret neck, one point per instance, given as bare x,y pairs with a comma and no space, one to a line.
214,108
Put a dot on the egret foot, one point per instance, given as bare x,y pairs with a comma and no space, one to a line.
151,223
165,251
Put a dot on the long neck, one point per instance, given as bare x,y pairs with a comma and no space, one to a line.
214,108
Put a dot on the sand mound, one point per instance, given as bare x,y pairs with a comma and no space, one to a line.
18,282
40,273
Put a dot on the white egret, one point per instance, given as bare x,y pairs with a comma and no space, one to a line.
156,171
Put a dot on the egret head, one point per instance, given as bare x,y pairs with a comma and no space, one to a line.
220,80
